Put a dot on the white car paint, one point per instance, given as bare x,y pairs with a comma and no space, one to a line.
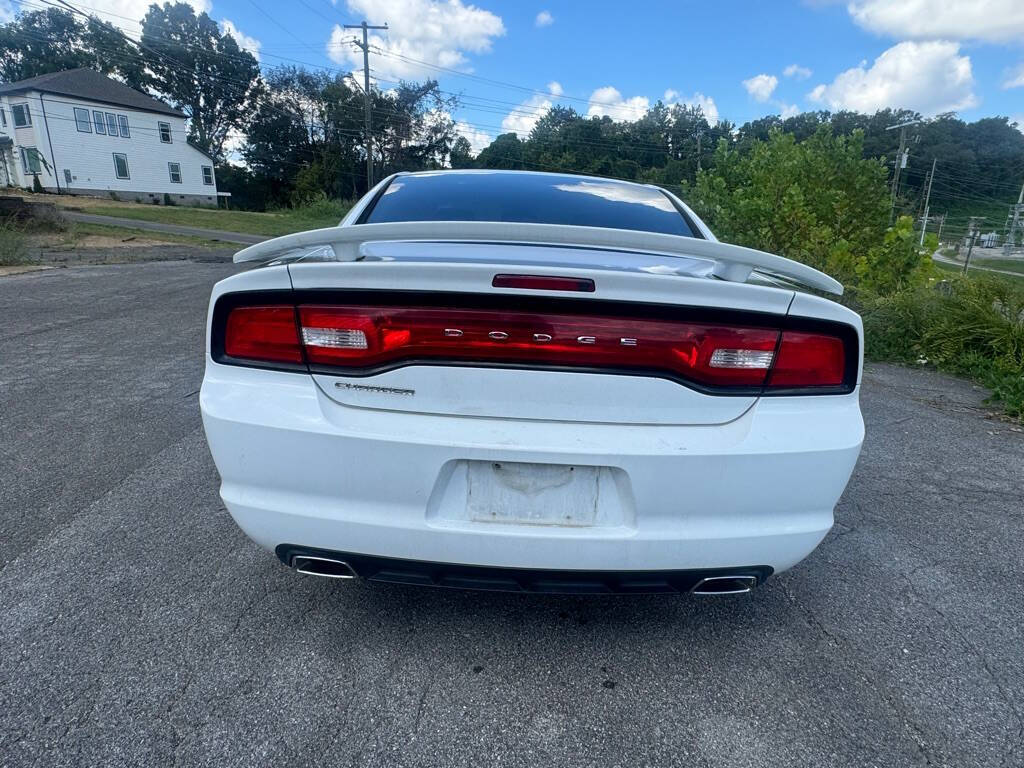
675,478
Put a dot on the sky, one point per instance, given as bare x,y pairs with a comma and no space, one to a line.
510,60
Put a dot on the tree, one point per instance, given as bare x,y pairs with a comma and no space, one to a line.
201,70
506,151
461,154
412,126
51,40
820,202
307,132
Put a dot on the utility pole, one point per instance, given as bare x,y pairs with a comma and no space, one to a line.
942,222
365,45
900,160
699,134
927,197
972,235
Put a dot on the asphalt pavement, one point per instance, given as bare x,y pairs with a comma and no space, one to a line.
139,627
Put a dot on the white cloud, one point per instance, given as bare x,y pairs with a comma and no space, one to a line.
1015,77
439,33
522,119
761,87
788,110
544,19
246,43
795,70
608,101
996,21
478,140
930,77
706,103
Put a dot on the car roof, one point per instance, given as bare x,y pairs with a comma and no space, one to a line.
508,172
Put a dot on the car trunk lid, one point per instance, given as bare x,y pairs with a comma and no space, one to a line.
457,281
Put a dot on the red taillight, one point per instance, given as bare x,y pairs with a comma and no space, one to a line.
809,360
544,283
374,336
370,338
265,334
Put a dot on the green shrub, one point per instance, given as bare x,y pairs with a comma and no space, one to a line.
37,185
13,249
308,185
971,327
317,210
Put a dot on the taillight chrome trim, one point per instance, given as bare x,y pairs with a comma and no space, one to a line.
518,302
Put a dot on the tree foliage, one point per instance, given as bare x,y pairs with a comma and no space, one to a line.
307,133
819,201
200,70
39,42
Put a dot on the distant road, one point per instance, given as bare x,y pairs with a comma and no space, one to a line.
954,262
174,229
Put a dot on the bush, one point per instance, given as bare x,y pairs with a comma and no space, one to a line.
308,185
323,208
317,211
971,327
37,185
13,249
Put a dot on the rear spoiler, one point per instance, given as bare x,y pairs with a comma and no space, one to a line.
731,262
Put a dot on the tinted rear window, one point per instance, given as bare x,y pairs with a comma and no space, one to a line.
528,198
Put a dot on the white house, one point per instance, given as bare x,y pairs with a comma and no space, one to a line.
86,134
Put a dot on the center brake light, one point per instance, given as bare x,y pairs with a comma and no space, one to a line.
366,339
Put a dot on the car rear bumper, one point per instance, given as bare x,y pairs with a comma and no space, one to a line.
453,575
300,469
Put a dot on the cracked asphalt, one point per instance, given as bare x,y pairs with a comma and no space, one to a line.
139,627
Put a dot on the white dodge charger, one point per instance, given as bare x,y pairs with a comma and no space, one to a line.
531,382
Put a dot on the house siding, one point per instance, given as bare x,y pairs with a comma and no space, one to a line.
89,156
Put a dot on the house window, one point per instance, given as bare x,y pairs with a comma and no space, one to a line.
174,169
122,125
208,174
121,165
67,177
22,116
82,120
165,132
30,160
99,122
111,124
3,118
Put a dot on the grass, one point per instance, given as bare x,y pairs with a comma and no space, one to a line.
972,327
77,231
950,270
1007,265
322,213
19,239
13,246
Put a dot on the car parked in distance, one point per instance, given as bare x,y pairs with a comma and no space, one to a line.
531,382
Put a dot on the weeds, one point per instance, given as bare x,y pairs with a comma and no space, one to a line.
13,245
970,327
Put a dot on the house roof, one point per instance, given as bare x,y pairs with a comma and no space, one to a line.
90,85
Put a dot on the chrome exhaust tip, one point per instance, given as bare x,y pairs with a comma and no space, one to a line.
725,585
323,566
